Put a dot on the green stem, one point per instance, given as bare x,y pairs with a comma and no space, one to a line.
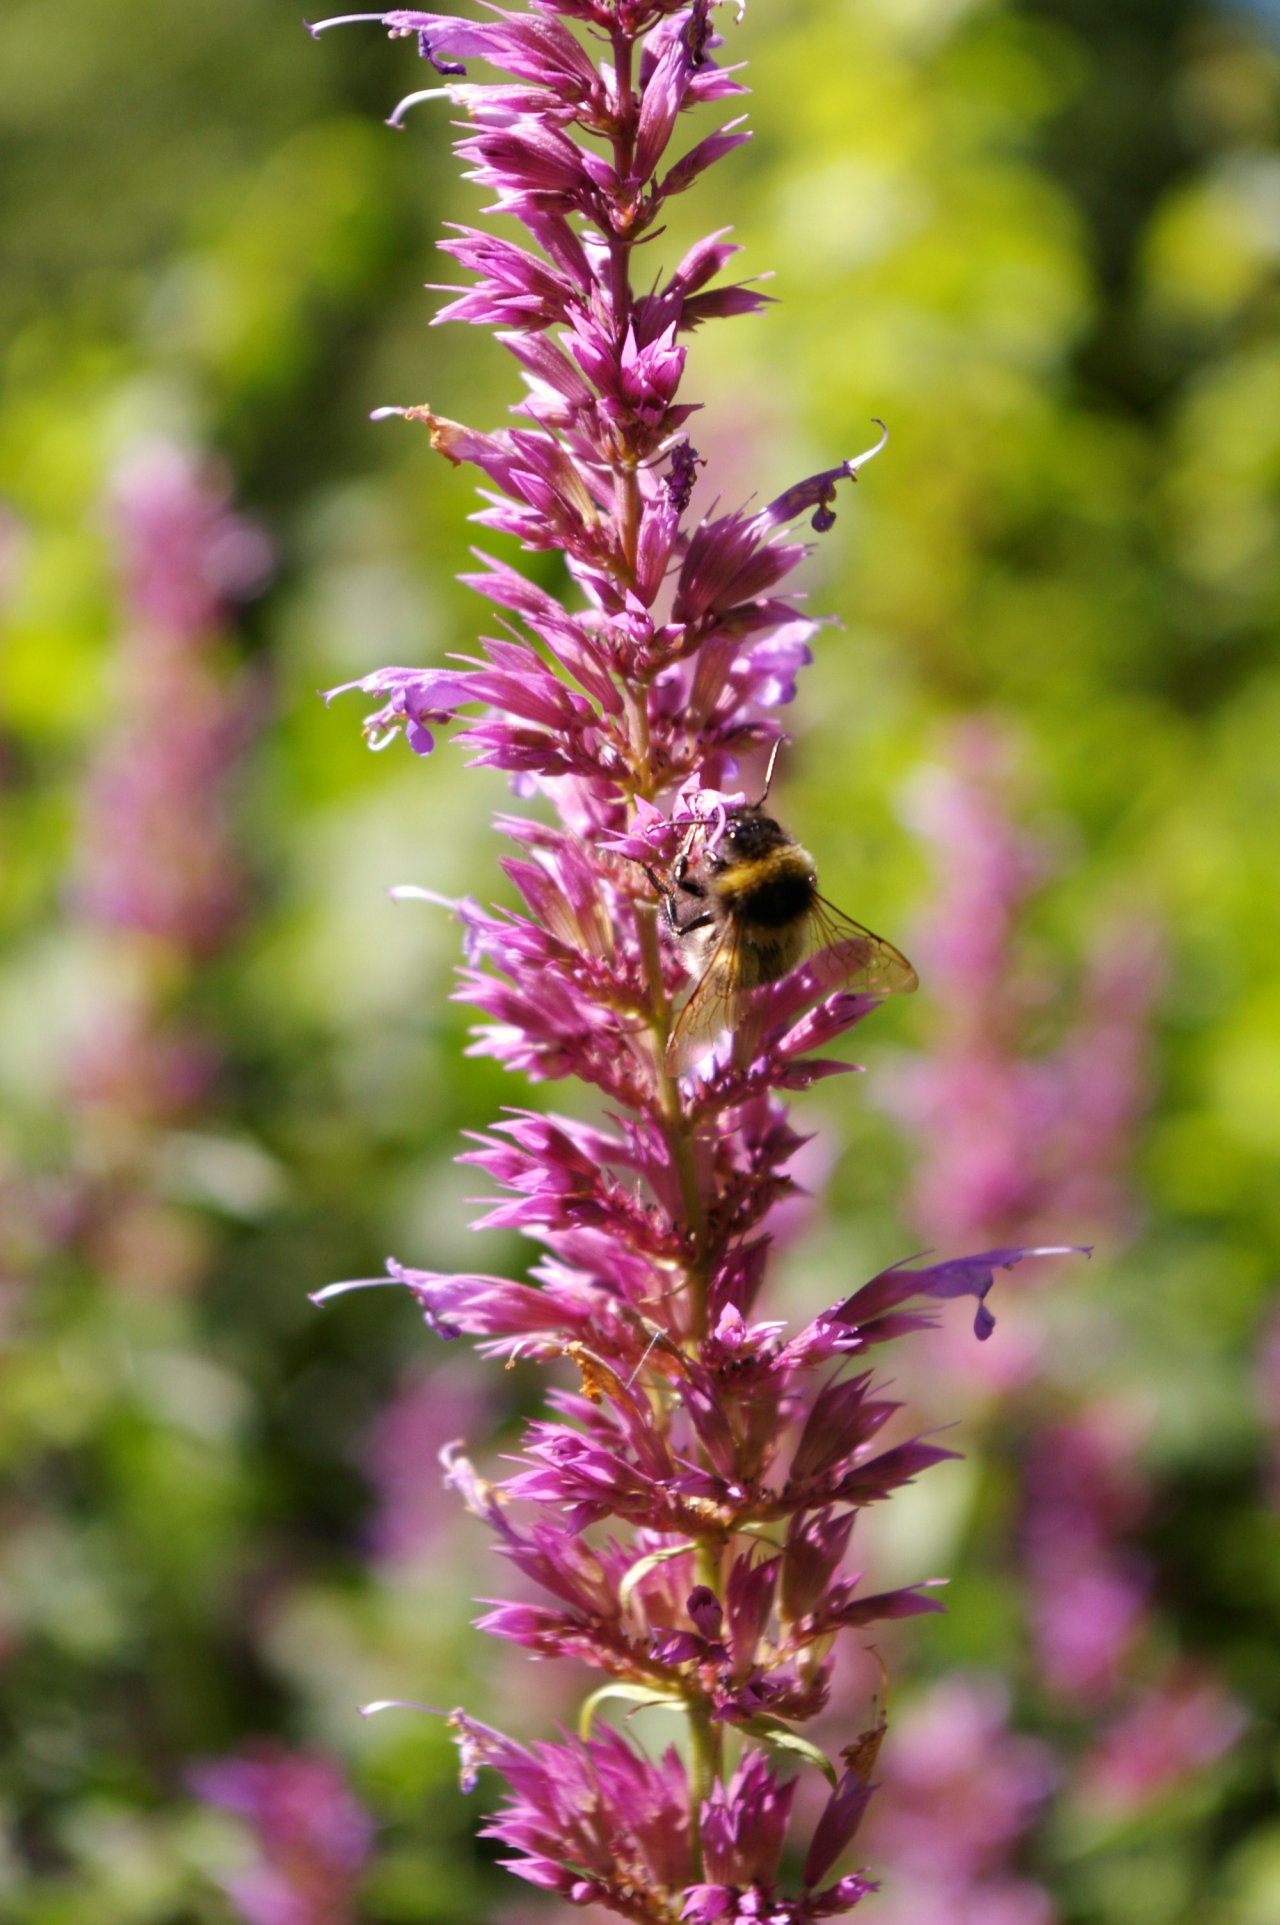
671,1113
706,1739
705,1748
675,1128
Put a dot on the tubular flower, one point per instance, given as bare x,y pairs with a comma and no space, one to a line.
686,1507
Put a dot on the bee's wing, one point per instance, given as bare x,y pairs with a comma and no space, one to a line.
841,955
713,1006
855,958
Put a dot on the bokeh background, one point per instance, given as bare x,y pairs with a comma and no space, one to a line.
1041,749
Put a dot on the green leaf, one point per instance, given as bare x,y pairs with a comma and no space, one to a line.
638,1695
780,1737
644,1565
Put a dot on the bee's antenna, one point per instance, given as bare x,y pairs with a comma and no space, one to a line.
768,775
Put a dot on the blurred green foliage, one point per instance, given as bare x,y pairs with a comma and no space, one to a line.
1040,238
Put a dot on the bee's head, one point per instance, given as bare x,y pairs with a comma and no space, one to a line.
748,833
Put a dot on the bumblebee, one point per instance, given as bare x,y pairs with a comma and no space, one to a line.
746,912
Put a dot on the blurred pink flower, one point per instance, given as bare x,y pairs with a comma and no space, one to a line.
157,864
417,1507
1084,1495
1019,1135
1105,1072
908,1899
1017,1139
156,852
961,1789
185,556
313,1836
1171,1732
987,868
134,1064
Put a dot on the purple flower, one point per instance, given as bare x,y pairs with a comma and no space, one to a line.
1017,1140
682,1507
416,1512
156,865
1165,1735
155,852
592,1820
313,1837
1013,1138
961,1789
1085,1496
744,1828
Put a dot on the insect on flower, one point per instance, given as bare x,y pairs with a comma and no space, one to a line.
752,914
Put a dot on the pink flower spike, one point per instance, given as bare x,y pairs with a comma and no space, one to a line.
679,1510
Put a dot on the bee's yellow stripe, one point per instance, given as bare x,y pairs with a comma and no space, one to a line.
775,866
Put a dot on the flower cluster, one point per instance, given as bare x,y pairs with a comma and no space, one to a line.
687,1507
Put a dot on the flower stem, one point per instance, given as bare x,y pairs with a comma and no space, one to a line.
706,1737
672,1117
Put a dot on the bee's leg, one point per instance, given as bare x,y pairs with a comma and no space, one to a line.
702,921
686,849
682,882
668,899
669,910
699,921
698,892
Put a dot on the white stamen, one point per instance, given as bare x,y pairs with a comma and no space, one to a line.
655,1338
356,1283
855,462
396,117
398,1704
411,892
342,20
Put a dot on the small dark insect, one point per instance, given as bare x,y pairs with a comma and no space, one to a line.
746,912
